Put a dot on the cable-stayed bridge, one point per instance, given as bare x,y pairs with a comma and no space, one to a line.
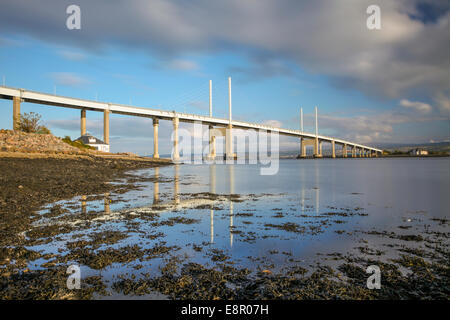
218,126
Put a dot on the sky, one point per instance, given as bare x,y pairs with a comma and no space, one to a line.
390,85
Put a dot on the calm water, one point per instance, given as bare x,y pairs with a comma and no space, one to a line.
331,203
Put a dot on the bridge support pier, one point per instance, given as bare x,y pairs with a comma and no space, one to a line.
317,151
229,155
212,144
175,153
344,151
302,148
83,122
106,126
353,152
307,142
16,113
333,149
155,138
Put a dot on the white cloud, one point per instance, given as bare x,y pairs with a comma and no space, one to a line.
443,102
419,106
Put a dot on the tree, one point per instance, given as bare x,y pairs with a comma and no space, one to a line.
31,123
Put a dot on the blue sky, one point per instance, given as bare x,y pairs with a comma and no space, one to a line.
370,86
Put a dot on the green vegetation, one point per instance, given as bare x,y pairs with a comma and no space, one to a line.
31,123
395,153
77,144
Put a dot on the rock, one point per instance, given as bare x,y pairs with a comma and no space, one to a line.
11,141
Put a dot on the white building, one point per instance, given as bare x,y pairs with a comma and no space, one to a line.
94,142
418,152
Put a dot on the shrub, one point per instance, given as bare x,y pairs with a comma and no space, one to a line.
44,130
77,144
31,123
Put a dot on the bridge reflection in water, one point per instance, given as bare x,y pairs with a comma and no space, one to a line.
177,202
156,187
314,192
212,189
106,202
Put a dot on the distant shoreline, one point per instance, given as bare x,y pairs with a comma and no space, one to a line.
383,156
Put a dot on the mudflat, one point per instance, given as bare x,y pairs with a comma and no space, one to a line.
29,183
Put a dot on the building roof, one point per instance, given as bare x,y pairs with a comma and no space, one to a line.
89,139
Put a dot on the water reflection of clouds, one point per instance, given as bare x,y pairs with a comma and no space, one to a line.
312,188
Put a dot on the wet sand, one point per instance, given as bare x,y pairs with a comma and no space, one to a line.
30,181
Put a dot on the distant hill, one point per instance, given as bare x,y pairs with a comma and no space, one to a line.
436,147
